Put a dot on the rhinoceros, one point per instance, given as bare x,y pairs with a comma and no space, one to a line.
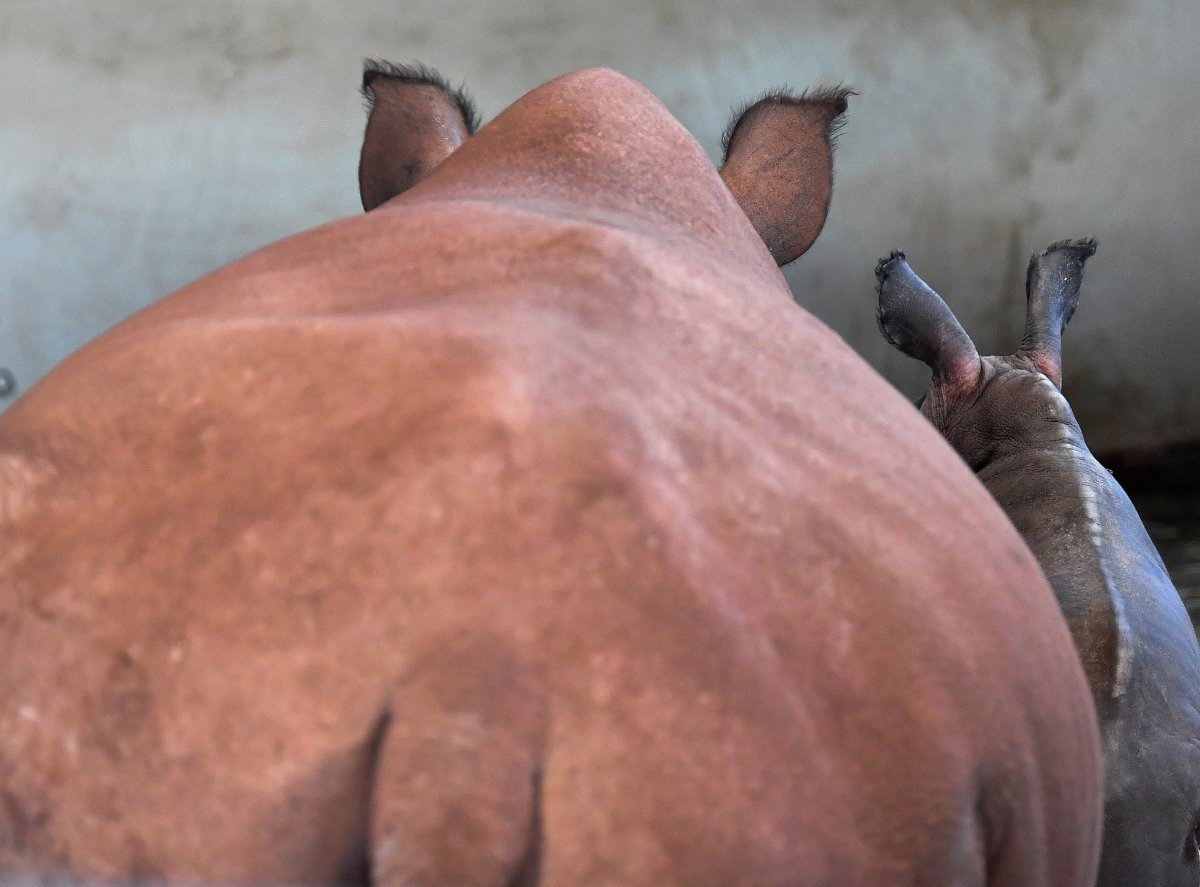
1007,417
496,536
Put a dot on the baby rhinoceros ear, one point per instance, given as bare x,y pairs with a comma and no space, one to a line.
917,321
779,166
1052,293
415,121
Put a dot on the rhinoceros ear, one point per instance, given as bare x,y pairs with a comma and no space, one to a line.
916,320
1052,290
779,166
415,120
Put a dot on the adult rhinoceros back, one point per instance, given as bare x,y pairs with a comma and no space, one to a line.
499,534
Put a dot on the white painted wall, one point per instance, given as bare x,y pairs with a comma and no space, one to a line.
144,143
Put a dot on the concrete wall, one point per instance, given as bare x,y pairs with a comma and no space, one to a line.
144,143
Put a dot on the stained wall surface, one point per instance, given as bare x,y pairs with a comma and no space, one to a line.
144,143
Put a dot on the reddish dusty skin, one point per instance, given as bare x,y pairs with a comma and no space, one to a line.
498,533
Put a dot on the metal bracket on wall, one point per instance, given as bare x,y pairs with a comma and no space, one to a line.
8,382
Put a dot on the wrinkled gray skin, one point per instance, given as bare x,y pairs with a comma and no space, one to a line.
1007,418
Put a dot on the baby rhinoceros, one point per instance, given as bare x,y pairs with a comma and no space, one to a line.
1008,419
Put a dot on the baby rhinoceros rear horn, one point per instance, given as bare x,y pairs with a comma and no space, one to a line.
415,121
916,320
1052,292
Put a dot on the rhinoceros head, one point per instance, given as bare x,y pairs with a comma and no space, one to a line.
984,403
778,150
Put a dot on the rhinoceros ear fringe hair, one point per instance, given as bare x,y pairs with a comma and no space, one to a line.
836,95
1052,286
418,73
